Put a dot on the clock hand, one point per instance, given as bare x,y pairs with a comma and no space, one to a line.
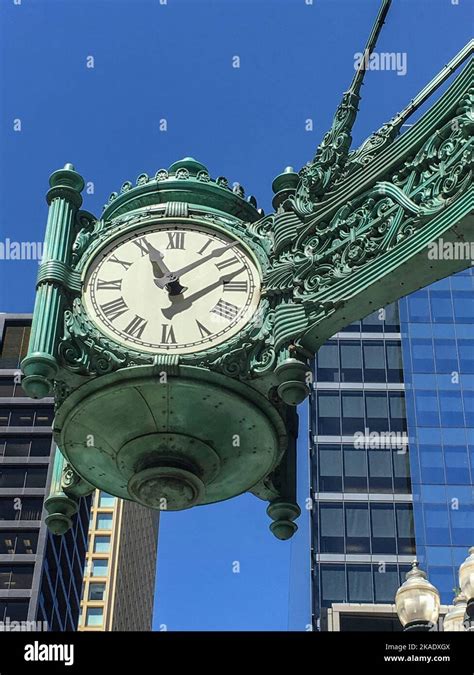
174,276
163,277
185,303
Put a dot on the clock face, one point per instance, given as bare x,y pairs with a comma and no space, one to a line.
172,288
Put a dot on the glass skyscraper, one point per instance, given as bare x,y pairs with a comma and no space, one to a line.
392,439
437,327
40,575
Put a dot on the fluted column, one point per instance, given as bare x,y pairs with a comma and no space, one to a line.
64,199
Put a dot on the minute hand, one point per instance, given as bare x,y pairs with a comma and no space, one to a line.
214,254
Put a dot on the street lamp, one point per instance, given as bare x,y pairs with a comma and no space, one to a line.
466,582
417,601
453,621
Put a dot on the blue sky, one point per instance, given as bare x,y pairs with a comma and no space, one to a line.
173,61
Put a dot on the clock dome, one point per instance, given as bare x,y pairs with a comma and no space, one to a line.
186,180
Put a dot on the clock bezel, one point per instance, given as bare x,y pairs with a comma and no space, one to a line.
138,225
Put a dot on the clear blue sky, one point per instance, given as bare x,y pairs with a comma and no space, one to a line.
174,61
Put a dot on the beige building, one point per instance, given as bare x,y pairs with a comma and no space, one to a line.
119,573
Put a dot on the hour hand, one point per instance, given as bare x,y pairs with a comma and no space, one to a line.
163,277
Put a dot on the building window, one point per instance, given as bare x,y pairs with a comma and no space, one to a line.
451,409
101,543
359,583
374,361
20,508
26,417
419,307
398,415
18,542
355,469
401,470
376,411
357,528
422,355
329,414
330,468
463,306
405,529
106,500
394,362
16,577
385,583
446,356
352,413
382,518
441,306
15,610
94,616
373,323
426,406
24,446
466,355
6,386
331,523
100,568
457,465
96,591
104,521
351,361
327,360
333,584
380,470
14,345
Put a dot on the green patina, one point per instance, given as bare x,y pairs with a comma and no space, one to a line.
350,233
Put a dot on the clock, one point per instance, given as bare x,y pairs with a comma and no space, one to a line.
172,288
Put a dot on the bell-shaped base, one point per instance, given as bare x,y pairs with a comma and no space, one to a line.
170,442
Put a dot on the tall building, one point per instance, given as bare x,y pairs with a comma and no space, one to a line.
40,575
362,524
438,357
119,575
392,435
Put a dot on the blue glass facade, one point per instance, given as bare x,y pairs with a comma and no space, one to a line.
437,329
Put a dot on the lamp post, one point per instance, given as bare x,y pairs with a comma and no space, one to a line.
417,601
453,621
466,582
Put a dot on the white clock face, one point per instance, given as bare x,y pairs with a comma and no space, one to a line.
172,288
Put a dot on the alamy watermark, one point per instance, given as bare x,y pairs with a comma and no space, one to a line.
21,250
381,440
451,250
396,61
9,626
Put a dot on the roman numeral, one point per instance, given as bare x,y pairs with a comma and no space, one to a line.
235,285
206,245
167,334
203,330
226,310
124,264
227,263
136,327
142,245
175,240
115,285
114,308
